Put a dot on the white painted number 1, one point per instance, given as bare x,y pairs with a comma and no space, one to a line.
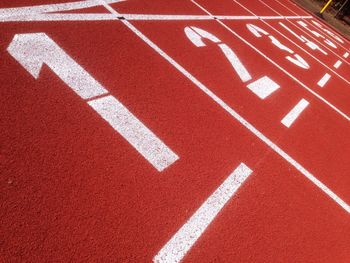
34,50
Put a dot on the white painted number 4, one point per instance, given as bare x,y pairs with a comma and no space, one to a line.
34,50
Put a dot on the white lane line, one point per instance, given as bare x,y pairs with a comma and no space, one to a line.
58,17
289,30
324,80
306,32
30,17
137,134
18,11
233,113
263,87
277,65
346,54
337,64
179,245
291,117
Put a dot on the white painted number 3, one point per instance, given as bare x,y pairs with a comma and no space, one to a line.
34,50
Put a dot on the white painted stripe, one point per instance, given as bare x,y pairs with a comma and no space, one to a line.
263,87
324,80
233,113
346,54
17,11
291,117
337,64
29,17
58,17
178,246
278,66
35,49
134,131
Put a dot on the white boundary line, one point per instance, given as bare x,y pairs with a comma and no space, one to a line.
233,113
183,240
142,17
309,34
300,47
16,11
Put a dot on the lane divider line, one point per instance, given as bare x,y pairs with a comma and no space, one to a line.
233,113
31,17
291,117
183,240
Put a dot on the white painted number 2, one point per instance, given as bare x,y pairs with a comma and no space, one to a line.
262,87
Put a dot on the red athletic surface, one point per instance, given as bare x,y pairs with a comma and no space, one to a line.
73,190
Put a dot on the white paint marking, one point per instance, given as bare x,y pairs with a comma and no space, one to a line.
337,64
309,43
263,87
34,50
346,55
32,16
299,61
137,134
303,39
324,80
58,17
291,117
206,34
278,66
179,245
236,63
19,11
233,113
306,32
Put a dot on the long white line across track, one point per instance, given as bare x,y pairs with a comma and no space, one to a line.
232,112
179,245
309,34
31,17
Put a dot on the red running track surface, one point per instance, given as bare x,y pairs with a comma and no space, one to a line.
73,189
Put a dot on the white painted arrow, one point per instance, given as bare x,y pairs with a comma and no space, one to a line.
34,50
